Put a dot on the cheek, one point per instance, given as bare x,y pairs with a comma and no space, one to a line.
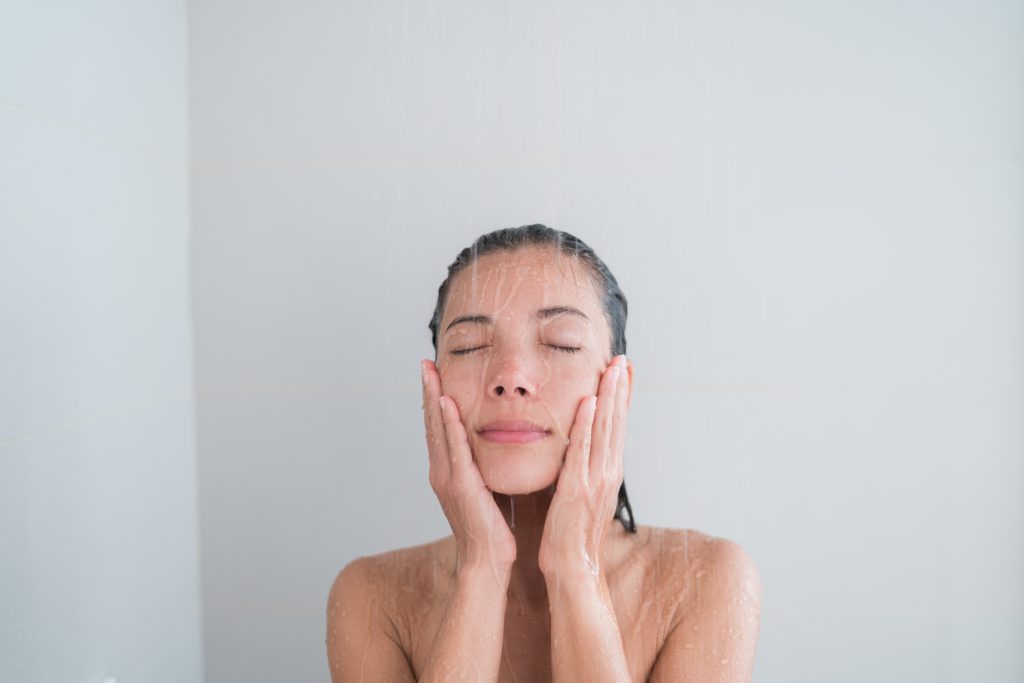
562,399
465,388
573,386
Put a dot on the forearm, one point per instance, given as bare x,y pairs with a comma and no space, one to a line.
585,641
468,645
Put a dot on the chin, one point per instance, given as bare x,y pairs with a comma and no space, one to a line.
517,470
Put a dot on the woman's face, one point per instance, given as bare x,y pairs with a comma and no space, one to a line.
499,359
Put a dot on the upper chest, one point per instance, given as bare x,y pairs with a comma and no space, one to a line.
645,594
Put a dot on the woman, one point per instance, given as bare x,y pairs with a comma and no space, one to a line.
525,416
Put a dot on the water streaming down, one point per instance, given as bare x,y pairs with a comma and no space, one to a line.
511,289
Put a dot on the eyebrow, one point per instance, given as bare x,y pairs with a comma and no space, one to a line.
541,314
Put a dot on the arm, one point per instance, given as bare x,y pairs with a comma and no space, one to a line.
716,637
362,640
468,646
469,643
585,641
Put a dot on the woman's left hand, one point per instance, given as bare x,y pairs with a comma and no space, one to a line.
587,490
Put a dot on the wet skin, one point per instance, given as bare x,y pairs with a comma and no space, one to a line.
671,585
564,592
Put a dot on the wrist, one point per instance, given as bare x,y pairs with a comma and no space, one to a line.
483,573
473,559
575,573
576,591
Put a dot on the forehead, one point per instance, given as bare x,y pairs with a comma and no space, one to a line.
523,281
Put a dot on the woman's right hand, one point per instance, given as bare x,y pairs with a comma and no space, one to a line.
482,536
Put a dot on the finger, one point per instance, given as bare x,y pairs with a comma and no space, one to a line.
437,445
615,464
577,453
459,454
600,447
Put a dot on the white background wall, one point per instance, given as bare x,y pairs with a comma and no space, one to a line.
99,567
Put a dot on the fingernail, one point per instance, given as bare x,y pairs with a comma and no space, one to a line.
440,399
423,371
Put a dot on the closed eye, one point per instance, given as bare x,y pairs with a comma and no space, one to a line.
463,352
567,349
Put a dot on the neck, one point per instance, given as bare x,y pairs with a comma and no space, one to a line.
525,515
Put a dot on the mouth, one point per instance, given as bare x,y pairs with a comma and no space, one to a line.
512,431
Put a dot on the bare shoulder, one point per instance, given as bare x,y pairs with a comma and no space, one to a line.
690,548
387,576
369,632
695,564
713,629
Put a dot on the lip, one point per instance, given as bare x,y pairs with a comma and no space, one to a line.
511,426
512,431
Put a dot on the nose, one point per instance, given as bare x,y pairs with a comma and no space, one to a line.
511,379
499,390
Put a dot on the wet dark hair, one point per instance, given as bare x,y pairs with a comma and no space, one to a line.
613,300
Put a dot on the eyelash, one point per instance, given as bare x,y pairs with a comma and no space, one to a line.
567,349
